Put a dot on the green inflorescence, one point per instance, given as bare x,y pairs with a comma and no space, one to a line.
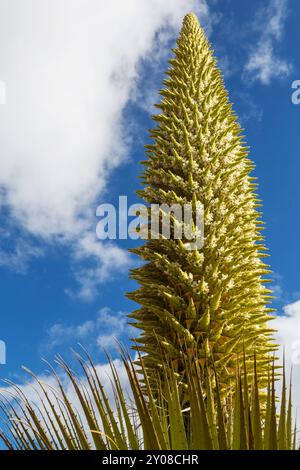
211,302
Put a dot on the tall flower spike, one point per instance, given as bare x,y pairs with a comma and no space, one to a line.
211,302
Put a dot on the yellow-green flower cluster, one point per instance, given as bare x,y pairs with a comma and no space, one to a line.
210,302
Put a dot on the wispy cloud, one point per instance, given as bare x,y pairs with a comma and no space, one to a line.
251,111
112,328
100,332
264,64
16,254
94,262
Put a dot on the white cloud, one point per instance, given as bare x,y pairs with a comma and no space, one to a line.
112,328
17,255
103,258
288,326
101,332
264,64
70,69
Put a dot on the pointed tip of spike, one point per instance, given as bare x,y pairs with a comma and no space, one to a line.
190,20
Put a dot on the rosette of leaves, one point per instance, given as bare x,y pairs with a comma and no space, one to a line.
79,413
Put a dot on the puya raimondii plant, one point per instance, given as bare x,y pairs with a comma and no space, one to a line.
211,301
203,313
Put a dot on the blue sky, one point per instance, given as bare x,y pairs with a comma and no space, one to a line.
80,87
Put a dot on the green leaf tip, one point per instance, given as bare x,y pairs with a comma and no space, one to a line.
190,20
